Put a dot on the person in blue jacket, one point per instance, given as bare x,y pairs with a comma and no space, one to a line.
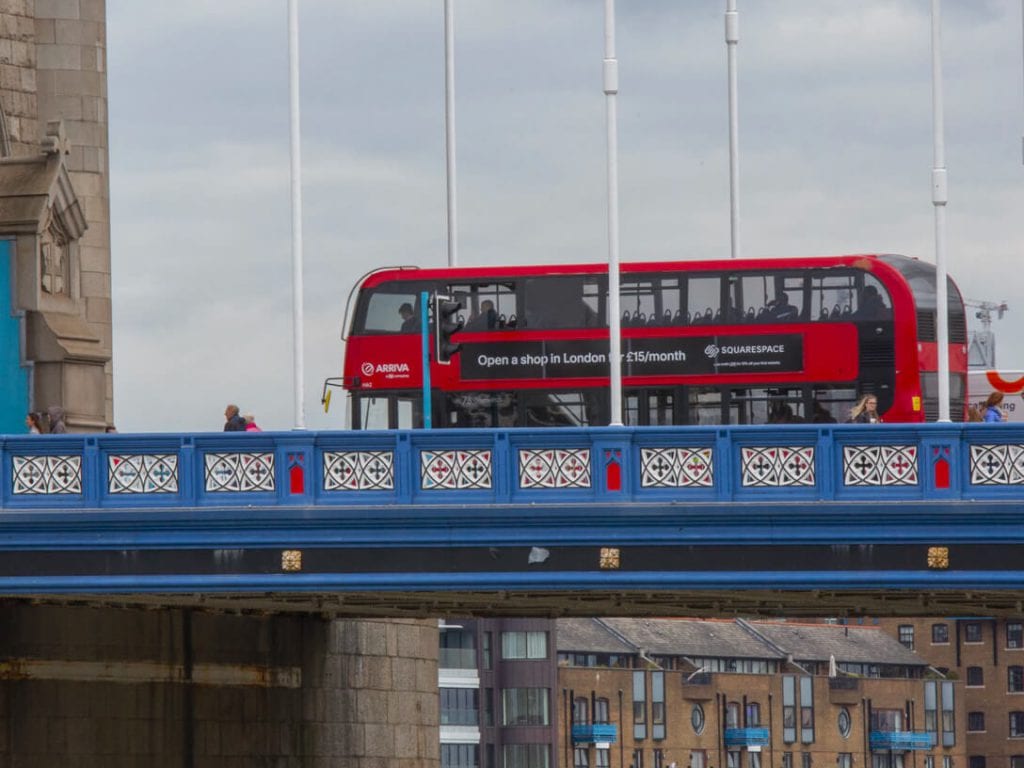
991,412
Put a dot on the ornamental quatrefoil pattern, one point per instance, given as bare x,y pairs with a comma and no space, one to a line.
47,474
997,464
554,468
676,468
359,470
455,470
142,473
235,472
777,466
879,465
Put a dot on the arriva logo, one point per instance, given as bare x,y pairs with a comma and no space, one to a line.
369,369
711,350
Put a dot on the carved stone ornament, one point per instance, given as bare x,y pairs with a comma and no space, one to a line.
53,255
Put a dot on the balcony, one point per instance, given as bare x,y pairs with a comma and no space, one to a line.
456,658
746,737
844,690
900,741
595,733
698,687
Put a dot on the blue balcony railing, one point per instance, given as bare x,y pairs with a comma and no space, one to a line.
900,741
746,737
595,733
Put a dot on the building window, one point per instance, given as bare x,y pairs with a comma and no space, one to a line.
947,761
488,706
639,705
975,721
753,715
524,645
487,650
787,760
734,759
601,711
602,758
1015,679
698,758
940,634
754,759
976,761
638,758
732,715
525,706
788,709
844,760
457,649
459,706
579,711
1016,761
972,632
459,756
806,709
929,761
1016,724
931,707
845,722
657,705
697,719
805,760
1014,634
526,756
907,635
659,759
581,757
975,676
948,715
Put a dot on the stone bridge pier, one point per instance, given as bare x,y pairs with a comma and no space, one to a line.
84,686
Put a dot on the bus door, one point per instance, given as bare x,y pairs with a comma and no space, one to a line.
391,410
651,407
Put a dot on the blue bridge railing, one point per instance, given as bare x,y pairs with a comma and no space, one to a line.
746,737
720,464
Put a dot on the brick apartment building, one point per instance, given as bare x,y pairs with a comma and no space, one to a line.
986,656
653,693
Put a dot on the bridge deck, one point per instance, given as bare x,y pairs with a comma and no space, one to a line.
794,519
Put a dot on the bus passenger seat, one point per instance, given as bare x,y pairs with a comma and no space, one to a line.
666,319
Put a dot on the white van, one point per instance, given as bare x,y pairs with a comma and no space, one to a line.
980,384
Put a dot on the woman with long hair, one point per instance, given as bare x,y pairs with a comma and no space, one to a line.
865,411
34,422
991,413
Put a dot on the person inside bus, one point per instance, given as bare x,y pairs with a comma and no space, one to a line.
409,322
865,411
781,309
991,413
821,414
870,306
484,320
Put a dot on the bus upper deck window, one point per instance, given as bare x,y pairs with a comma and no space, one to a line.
391,311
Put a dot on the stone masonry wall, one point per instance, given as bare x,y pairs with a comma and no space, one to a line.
89,687
71,73
18,75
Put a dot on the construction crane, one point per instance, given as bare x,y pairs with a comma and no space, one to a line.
981,353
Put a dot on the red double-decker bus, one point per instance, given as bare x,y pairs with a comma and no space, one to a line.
748,341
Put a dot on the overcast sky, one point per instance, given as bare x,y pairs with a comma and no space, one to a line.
835,145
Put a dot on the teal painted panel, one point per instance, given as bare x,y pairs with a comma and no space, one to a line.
13,375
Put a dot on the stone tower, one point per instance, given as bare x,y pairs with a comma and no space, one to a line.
54,212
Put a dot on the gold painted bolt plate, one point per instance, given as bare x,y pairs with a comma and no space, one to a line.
291,560
938,557
609,558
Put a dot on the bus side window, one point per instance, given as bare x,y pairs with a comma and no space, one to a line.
569,301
